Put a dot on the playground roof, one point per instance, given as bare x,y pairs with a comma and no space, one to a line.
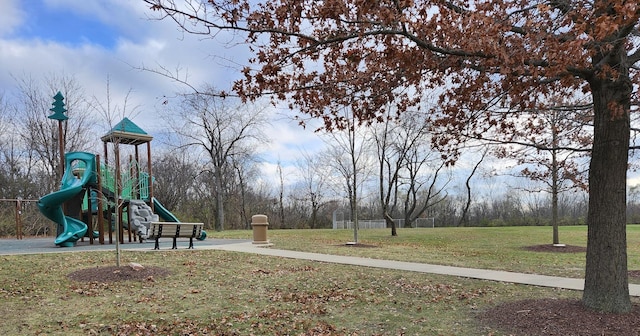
127,132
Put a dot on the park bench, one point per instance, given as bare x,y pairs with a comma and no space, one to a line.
174,230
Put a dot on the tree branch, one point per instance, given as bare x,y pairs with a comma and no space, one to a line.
526,144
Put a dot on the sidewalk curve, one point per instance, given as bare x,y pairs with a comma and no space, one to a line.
474,273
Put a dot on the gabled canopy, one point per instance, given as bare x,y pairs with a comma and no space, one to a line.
128,133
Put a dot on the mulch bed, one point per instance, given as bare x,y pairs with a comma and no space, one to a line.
558,249
558,317
115,273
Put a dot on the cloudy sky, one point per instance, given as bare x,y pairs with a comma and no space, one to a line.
96,40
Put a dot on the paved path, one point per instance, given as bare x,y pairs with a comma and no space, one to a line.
45,245
474,273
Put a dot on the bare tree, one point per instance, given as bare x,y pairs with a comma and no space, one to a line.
425,182
280,194
224,129
348,154
41,134
113,113
314,174
467,184
16,166
404,152
174,189
16,159
552,149
391,153
246,172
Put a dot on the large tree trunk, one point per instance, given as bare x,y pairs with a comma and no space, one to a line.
390,223
606,281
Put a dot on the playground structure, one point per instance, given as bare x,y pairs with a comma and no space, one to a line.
118,200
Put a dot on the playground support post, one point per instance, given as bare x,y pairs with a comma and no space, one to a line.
106,164
89,223
61,148
149,175
19,218
58,114
118,195
100,211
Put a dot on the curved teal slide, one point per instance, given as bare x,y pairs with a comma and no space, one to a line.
163,212
80,168
168,216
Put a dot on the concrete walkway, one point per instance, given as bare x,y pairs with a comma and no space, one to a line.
473,273
45,245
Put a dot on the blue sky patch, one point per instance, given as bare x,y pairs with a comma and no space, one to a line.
65,26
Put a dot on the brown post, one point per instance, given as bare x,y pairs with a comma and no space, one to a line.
129,222
61,144
150,176
134,193
90,228
137,172
260,225
65,208
118,192
100,211
106,154
18,218
109,215
109,220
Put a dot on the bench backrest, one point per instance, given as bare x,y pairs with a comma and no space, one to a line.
171,229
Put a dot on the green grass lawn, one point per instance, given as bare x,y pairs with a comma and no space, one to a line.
501,248
222,293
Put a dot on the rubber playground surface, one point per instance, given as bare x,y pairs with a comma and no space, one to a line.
47,245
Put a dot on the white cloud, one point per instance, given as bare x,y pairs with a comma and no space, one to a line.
634,180
271,173
142,42
11,16
289,140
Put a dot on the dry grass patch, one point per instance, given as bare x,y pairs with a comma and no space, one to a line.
223,293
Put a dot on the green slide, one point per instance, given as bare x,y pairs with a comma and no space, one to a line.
166,215
79,171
